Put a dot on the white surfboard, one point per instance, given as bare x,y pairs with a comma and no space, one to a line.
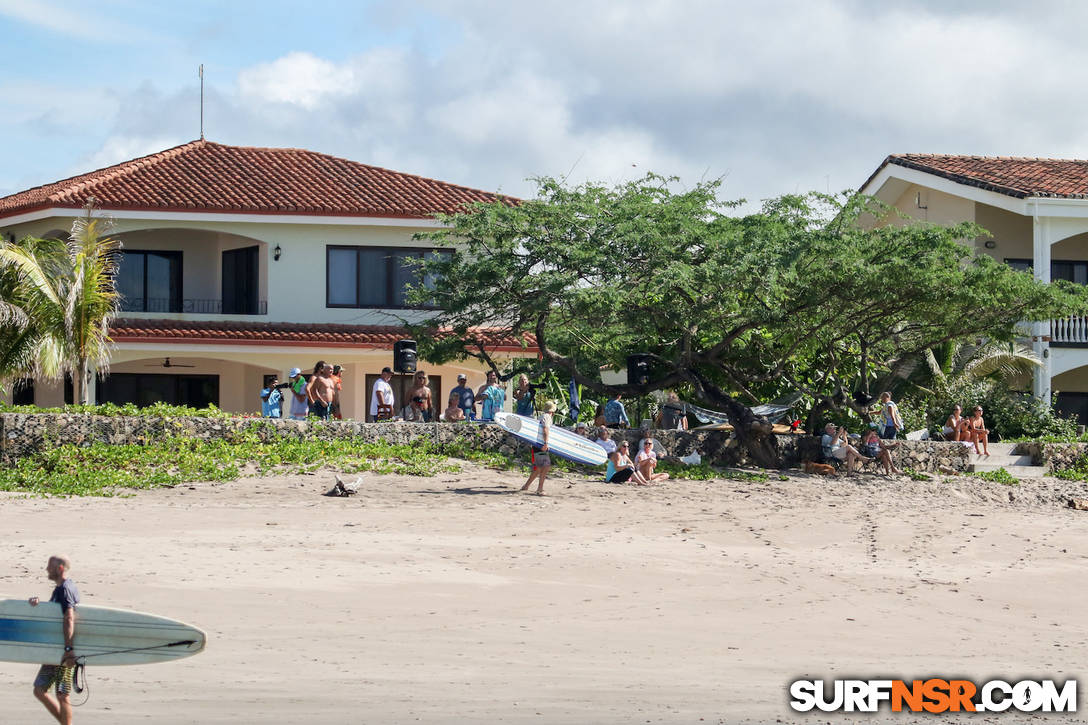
104,636
561,441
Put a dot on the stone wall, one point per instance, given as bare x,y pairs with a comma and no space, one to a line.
1055,456
22,434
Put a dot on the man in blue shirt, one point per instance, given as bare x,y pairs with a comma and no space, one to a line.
271,398
614,414
60,675
466,399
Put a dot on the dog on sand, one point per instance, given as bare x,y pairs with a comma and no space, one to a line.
823,469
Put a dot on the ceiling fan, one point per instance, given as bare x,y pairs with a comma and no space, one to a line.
167,364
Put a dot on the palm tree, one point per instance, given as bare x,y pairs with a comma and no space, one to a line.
960,361
62,301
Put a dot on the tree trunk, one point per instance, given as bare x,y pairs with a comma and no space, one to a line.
81,391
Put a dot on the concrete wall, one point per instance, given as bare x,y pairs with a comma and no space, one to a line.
942,208
1012,233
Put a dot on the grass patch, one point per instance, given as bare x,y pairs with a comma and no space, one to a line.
998,476
106,470
917,475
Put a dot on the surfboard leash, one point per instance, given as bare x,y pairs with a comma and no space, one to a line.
79,677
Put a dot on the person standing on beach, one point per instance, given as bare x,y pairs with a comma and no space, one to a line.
466,399
421,395
492,395
299,405
321,390
338,385
542,460
59,676
614,414
889,412
381,399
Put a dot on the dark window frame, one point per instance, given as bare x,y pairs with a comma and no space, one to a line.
1024,265
175,304
390,275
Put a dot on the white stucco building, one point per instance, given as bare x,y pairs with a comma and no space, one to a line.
1036,213
242,262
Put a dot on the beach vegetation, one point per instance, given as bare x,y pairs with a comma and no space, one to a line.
811,293
998,476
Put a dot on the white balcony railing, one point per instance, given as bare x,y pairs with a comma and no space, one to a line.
1069,329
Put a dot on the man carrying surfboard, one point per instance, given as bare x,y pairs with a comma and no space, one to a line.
60,675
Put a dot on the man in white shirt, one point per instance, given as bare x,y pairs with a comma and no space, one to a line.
383,396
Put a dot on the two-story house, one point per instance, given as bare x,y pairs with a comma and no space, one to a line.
1036,213
242,262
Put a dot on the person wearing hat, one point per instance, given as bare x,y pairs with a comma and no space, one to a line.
542,460
300,404
580,428
466,398
381,400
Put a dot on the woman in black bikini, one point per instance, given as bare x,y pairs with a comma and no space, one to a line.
977,427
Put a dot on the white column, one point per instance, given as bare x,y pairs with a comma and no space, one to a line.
1041,329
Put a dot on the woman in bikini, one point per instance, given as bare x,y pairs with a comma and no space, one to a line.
951,428
977,428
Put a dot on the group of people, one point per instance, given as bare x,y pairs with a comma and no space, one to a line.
316,394
839,445
970,430
461,403
673,415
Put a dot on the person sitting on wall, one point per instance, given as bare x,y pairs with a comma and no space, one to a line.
413,412
580,428
453,412
951,428
976,429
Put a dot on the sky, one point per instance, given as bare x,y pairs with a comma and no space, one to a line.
770,97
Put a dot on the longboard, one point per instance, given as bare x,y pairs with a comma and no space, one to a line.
104,636
561,441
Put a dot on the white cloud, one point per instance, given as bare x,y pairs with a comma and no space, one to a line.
298,78
778,96
123,148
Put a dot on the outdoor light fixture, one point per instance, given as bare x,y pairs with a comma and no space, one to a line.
990,244
276,253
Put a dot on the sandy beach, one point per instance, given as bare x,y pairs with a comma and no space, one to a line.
455,599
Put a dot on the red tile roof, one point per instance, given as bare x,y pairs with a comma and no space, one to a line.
212,177
1009,175
291,334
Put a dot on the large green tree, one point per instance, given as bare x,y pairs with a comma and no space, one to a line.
811,293
59,300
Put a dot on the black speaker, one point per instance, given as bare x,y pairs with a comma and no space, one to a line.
638,369
404,356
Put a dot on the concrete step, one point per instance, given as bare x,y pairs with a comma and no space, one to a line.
1014,471
1000,460
1002,449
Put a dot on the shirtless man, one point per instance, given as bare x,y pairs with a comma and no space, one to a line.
321,390
421,394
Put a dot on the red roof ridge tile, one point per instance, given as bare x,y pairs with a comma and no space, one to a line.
1016,176
210,176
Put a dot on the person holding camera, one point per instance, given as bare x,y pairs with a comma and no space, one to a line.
271,397
835,444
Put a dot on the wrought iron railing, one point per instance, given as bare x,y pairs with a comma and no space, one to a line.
194,306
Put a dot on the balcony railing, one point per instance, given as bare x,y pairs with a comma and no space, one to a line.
200,307
1069,330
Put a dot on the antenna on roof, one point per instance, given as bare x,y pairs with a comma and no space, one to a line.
201,101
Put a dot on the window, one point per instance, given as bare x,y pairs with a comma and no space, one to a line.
150,281
374,276
1071,270
144,389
